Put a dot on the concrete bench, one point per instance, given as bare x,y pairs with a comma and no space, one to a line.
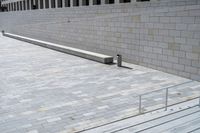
69,50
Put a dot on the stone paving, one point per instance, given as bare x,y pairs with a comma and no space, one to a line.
45,91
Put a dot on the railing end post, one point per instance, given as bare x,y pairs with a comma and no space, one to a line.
140,104
166,99
199,101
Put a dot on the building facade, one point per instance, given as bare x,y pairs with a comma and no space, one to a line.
18,5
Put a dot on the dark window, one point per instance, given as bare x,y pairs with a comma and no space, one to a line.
12,6
32,6
28,5
41,4
85,2
67,3
109,1
125,1
17,6
46,3
24,6
53,3
20,3
96,2
142,0
75,2
36,4
59,3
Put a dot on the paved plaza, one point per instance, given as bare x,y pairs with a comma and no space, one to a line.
45,91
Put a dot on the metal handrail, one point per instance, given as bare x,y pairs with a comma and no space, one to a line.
198,97
167,88
140,106
166,99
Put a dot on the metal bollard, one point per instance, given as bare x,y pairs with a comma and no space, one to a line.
119,60
3,32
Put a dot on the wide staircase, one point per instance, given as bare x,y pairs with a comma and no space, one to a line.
175,120
177,112
184,121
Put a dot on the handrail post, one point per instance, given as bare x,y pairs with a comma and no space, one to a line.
199,101
166,99
140,104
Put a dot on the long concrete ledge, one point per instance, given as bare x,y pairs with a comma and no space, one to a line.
69,50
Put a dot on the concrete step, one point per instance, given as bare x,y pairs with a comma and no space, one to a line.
69,50
197,130
147,126
172,121
160,125
122,125
186,127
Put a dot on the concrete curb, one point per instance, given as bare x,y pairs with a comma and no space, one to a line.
69,50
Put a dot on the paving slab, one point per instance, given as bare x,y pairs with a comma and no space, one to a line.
45,91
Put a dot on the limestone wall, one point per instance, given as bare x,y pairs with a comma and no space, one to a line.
161,35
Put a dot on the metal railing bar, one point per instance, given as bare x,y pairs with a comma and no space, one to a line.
172,105
199,101
183,101
167,88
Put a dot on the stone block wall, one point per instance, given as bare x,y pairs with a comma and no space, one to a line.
161,35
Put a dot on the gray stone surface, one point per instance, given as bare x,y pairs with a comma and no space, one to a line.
45,91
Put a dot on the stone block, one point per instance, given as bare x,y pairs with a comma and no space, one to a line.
174,46
194,12
196,49
187,34
191,69
188,20
167,64
195,77
185,61
192,56
180,26
173,59
157,50
174,33
196,63
178,67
